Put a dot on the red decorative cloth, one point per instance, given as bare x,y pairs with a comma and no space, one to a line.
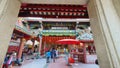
71,60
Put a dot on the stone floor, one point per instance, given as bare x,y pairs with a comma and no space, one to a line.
33,63
59,63
81,65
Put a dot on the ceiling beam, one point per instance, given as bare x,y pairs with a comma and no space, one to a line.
73,2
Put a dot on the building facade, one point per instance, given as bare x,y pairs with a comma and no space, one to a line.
104,20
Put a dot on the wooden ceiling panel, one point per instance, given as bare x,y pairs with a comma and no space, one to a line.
53,11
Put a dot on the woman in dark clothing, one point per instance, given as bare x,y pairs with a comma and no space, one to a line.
5,64
53,54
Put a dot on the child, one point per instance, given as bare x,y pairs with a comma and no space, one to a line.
48,55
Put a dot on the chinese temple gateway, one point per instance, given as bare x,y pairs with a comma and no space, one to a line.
42,22
53,30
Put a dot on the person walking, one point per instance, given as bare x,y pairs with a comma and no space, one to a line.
48,55
53,54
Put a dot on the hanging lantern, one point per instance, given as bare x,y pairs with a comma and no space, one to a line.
29,42
81,44
36,42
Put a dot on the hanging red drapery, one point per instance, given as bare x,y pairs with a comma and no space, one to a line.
52,39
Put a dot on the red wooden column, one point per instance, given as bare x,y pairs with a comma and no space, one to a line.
22,43
84,52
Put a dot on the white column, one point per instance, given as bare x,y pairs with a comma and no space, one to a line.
105,24
8,16
116,5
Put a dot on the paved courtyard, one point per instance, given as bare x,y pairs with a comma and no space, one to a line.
60,63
